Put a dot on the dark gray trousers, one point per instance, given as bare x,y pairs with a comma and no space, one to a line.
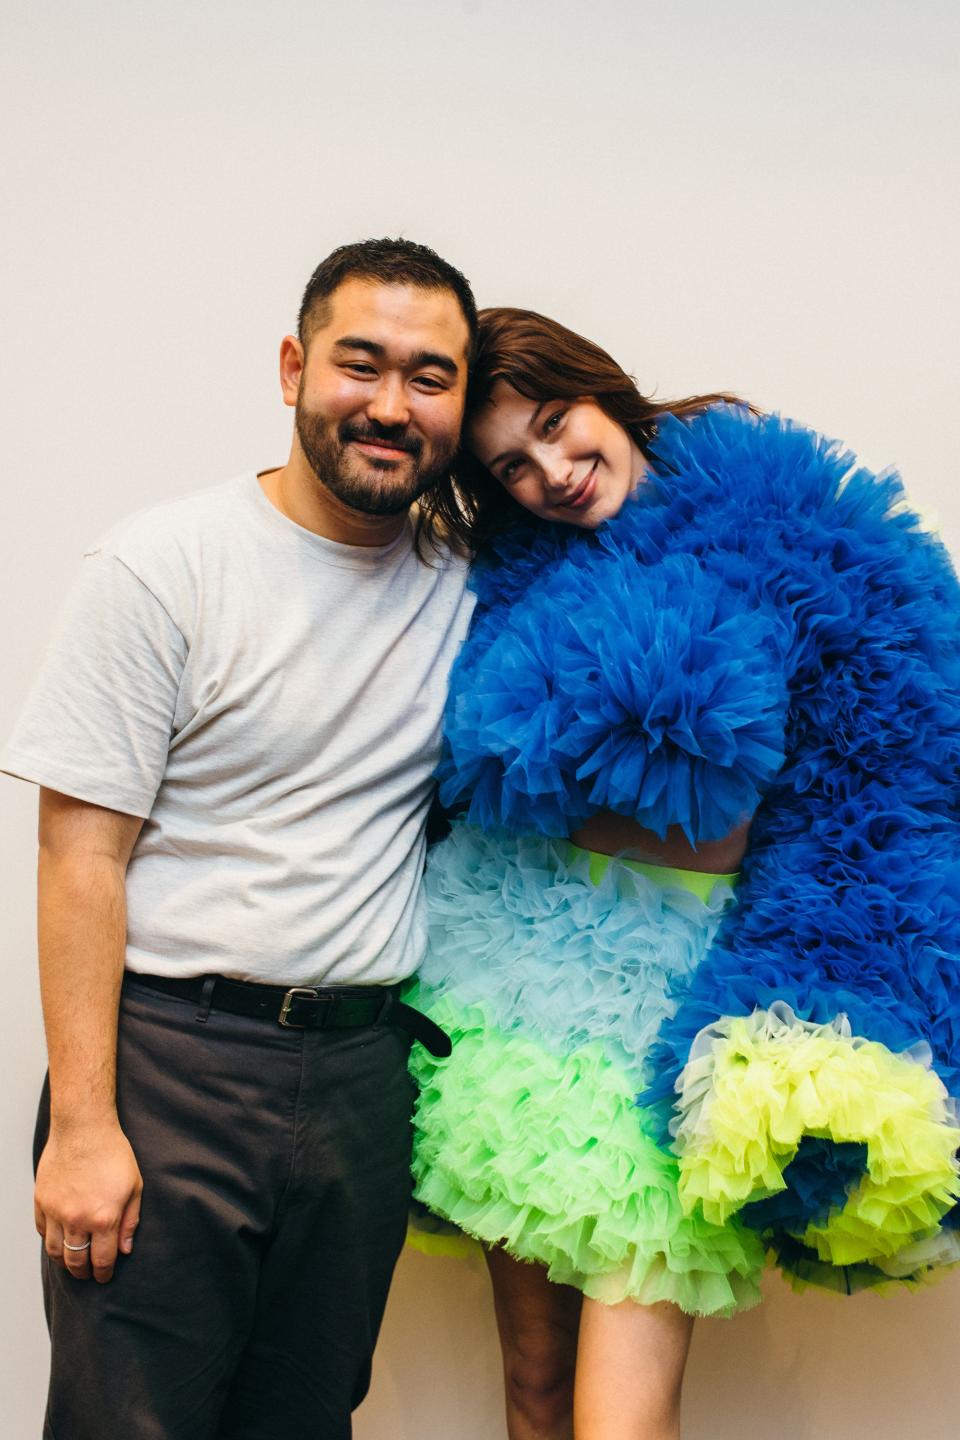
276,1180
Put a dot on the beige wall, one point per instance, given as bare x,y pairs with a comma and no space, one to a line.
758,195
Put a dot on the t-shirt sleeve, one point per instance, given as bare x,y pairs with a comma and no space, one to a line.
98,721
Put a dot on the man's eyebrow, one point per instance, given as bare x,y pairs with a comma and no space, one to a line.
435,358
530,424
415,362
357,342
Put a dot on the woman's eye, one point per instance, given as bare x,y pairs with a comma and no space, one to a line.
552,421
508,472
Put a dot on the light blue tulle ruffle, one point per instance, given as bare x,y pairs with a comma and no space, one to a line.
520,926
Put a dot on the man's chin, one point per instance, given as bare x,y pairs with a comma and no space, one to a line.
384,466
375,500
382,506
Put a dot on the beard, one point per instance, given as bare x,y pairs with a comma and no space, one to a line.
374,487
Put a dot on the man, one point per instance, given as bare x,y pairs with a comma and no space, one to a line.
234,733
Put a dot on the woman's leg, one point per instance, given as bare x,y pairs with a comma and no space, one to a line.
630,1365
537,1321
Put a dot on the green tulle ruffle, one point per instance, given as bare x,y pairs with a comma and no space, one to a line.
546,1154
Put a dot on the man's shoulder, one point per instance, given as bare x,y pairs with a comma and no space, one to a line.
171,548
446,559
177,524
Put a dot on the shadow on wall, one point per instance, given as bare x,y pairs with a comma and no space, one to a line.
808,1367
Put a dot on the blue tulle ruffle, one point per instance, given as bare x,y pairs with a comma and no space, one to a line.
819,1178
665,703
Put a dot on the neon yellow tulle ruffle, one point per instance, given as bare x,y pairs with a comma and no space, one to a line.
547,1155
452,1243
755,1085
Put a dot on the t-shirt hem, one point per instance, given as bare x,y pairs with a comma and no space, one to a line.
40,770
191,969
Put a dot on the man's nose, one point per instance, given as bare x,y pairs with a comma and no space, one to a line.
389,405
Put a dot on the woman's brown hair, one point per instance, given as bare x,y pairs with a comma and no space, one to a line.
542,360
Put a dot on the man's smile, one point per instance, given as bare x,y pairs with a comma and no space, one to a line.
382,449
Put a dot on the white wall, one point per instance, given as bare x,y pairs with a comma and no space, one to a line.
752,194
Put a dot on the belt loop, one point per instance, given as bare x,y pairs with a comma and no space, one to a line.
206,1000
383,1018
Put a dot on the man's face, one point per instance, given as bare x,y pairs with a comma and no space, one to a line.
381,394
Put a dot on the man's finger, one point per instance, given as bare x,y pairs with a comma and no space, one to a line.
129,1221
76,1254
40,1220
103,1255
53,1241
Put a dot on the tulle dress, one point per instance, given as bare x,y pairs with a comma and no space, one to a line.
661,1080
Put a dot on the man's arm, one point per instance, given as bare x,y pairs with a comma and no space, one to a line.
88,1182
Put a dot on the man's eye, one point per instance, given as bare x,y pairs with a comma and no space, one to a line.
356,367
430,382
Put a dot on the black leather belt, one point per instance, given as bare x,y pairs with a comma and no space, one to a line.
304,1007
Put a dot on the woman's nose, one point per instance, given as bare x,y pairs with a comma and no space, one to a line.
557,470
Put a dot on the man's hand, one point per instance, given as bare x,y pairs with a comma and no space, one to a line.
88,1189
88,1181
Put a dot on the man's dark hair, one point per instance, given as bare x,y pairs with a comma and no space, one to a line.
388,262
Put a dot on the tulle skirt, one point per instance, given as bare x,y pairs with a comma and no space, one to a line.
552,969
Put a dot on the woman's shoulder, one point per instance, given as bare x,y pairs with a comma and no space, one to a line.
733,450
744,477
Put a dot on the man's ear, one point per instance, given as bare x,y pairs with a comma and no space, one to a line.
291,368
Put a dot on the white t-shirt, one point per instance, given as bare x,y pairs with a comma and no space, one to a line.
270,702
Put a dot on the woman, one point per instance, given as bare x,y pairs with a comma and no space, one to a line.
694,625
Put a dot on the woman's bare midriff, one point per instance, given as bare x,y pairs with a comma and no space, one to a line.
612,834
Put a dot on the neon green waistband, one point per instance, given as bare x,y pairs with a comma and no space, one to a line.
699,882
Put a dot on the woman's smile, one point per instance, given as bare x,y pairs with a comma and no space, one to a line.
584,492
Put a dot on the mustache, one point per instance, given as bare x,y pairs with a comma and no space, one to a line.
381,435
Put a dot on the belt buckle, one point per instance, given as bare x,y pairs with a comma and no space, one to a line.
308,992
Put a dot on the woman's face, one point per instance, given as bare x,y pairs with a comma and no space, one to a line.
563,460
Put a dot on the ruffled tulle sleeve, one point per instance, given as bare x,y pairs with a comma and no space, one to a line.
850,895
842,956
653,690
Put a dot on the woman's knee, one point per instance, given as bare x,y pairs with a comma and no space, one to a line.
539,1371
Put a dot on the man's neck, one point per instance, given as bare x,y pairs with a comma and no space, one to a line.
295,491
